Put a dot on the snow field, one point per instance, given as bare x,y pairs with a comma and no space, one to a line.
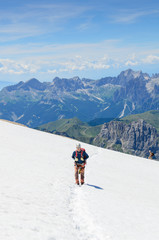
39,200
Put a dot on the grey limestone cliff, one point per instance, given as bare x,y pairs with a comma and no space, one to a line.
136,138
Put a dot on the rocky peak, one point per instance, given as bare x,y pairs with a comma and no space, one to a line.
132,85
65,84
14,87
33,83
156,75
26,86
129,74
76,78
56,79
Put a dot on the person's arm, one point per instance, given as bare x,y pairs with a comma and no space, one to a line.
86,156
73,155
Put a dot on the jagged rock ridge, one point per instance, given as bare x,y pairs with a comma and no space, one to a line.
136,138
34,103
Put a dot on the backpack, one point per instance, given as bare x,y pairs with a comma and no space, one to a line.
82,151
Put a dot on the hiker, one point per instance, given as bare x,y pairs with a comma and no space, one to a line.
80,157
151,156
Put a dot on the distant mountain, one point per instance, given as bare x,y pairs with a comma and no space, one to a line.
27,86
73,128
34,103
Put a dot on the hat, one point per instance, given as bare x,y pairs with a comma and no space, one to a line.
78,145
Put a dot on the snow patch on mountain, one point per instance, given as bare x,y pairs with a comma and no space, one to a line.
133,106
15,117
105,109
123,111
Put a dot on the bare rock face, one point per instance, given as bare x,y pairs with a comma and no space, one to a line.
136,138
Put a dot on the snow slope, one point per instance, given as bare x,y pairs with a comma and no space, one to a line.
39,200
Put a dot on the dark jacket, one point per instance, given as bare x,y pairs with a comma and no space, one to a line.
151,156
79,155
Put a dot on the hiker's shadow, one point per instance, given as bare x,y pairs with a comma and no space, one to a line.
97,187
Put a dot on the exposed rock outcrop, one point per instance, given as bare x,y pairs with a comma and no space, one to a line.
136,138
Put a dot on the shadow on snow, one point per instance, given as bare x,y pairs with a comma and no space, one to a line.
97,187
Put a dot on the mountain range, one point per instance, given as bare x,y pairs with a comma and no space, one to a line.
34,103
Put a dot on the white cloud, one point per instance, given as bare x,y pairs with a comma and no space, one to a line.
52,71
131,63
11,71
73,58
79,63
13,67
51,66
98,65
151,59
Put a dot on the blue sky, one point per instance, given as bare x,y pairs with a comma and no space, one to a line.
85,38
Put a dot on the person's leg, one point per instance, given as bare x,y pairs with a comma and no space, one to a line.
76,175
82,175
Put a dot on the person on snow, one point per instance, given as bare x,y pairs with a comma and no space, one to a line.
151,156
80,156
